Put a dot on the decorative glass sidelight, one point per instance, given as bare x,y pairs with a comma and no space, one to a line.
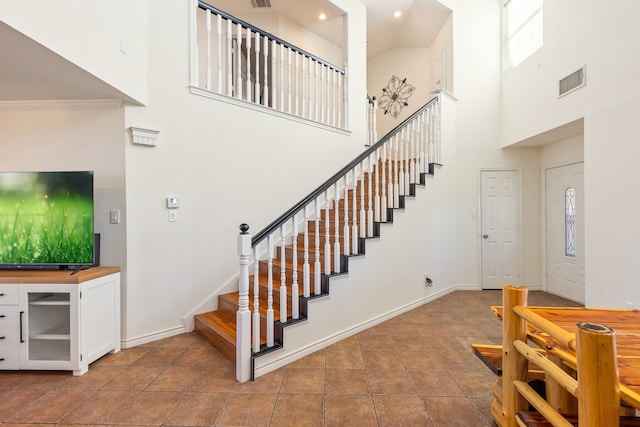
570,222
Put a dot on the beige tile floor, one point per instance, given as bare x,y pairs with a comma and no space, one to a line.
414,370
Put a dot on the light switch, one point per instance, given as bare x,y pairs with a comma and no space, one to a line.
114,217
173,216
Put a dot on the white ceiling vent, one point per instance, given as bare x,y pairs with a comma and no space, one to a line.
261,3
573,81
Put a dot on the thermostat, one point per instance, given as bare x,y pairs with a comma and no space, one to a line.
173,203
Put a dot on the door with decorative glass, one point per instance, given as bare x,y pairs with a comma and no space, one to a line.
565,231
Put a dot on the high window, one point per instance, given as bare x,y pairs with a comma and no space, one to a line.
523,30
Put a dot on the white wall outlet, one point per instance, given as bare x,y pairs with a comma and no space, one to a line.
428,280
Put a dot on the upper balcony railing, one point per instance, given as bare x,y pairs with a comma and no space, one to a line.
235,59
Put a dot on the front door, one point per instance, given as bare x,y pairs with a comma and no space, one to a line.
565,231
500,231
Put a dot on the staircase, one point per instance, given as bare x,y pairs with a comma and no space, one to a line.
316,239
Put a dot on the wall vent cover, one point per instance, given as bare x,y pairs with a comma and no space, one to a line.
573,81
261,3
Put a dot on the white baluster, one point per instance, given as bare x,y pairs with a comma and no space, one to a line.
345,232
249,85
315,95
432,131
421,140
383,183
270,312
332,102
405,150
363,228
336,218
304,86
229,58
265,84
412,157
238,87
317,267
396,187
345,107
370,197
219,44
243,315
438,134
257,85
376,203
309,92
295,292
274,76
339,103
296,95
429,136
281,78
327,235
322,105
288,79
354,225
375,125
390,168
208,30
256,300
283,277
306,269
401,186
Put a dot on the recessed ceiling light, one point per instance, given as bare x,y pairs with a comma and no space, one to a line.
397,14
322,17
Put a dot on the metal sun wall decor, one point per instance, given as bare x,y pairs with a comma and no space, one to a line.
395,96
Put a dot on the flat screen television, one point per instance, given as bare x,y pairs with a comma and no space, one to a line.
46,220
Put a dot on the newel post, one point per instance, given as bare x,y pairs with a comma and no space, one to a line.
514,365
598,378
243,316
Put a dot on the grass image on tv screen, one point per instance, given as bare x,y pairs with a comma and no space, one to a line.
44,229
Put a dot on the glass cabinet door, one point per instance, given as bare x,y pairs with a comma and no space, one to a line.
48,328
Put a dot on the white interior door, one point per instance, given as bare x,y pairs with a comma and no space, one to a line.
500,231
565,231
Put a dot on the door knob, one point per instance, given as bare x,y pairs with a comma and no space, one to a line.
485,236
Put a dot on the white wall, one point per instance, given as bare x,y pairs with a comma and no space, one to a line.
612,220
604,37
227,164
601,35
76,138
562,152
91,34
443,45
476,67
403,62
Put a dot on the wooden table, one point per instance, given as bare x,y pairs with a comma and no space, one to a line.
626,323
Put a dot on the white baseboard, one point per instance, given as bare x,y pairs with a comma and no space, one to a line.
155,336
